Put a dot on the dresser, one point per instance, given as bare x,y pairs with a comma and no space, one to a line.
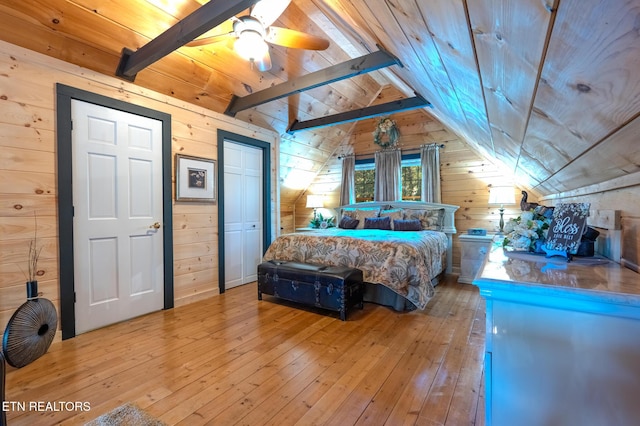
562,340
473,250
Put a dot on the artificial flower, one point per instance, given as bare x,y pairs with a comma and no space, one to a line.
322,222
526,231
386,133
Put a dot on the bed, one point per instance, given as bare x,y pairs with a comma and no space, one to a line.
400,268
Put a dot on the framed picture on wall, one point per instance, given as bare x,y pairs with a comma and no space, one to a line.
195,179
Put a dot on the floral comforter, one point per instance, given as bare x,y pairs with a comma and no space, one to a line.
406,261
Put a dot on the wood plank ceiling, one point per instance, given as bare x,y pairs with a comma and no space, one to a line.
549,88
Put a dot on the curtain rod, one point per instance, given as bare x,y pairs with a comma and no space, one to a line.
441,145
411,150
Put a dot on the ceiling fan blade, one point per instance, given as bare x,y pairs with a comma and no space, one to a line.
267,11
264,63
213,39
296,39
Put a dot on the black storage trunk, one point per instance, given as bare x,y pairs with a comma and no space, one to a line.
337,288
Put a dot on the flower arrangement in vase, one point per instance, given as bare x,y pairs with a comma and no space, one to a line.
386,133
32,263
321,222
527,232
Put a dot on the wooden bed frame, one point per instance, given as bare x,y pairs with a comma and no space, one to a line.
449,227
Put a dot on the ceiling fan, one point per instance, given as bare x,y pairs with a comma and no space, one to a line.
251,33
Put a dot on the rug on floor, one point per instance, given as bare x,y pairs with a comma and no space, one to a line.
126,415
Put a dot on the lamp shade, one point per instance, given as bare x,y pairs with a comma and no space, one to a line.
314,201
502,195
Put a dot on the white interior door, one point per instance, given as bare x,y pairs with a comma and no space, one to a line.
117,226
243,176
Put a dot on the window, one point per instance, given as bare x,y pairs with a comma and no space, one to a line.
411,179
365,181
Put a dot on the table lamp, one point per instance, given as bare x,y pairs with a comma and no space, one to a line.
501,195
314,202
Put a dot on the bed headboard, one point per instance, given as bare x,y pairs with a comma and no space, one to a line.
449,210
449,226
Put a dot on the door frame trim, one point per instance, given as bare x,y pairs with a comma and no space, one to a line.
266,194
64,96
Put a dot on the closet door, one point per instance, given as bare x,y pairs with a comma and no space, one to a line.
243,176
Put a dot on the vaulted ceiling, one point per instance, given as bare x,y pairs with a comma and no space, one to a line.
548,88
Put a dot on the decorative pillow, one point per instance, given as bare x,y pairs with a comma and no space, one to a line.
407,225
393,214
348,212
361,214
377,223
347,222
432,219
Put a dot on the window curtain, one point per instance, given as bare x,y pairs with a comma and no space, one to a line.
430,163
388,180
348,184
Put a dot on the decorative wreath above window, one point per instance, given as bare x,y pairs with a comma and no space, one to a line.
386,133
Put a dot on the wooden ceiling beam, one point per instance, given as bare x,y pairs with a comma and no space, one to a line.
208,16
361,65
360,114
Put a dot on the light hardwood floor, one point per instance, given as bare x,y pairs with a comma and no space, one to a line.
235,360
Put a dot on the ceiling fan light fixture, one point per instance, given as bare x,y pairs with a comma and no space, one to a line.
250,45
253,33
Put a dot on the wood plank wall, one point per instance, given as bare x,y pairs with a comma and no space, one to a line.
28,174
618,194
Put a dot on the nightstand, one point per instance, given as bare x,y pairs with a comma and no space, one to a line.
473,250
308,229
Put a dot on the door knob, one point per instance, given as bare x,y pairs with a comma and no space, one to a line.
155,225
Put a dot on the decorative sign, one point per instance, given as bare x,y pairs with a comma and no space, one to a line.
566,228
